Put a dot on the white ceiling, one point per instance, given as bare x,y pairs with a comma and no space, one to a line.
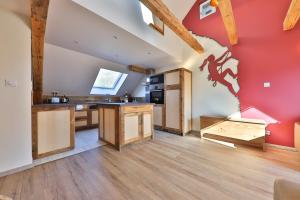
19,6
180,7
74,27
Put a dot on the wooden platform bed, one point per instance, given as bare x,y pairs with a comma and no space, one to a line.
238,131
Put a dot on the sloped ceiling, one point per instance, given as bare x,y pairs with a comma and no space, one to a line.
73,73
74,27
79,42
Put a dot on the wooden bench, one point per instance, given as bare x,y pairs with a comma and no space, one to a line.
237,131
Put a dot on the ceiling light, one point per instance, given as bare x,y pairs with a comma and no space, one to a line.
115,37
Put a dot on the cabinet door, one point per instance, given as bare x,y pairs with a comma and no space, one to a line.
94,117
132,127
158,115
109,125
101,123
147,124
172,78
173,109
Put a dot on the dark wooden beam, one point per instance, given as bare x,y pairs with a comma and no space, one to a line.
160,10
39,12
292,15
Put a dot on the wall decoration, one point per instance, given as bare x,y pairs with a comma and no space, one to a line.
217,73
265,53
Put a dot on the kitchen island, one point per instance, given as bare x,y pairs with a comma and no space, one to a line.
121,124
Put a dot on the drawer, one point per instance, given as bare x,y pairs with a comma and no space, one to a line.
81,114
81,123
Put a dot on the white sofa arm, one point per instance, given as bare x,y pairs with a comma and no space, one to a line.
286,190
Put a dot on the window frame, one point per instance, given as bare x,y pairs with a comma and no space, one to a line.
154,26
115,83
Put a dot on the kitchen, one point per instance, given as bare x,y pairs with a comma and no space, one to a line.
61,122
89,99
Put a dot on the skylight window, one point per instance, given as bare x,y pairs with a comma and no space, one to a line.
108,82
151,19
107,79
147,14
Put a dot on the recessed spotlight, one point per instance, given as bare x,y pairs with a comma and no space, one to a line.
115,37
149,53
76,42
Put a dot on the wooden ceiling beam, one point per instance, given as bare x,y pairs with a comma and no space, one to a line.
228,20
39,12
292,15
160,10
140,69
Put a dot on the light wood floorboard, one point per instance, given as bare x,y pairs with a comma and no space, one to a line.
170,167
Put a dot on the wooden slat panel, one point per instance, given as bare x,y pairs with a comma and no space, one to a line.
229,21
292,15
160,10
39,12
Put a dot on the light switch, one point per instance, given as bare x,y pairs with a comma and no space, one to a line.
9,83
267,84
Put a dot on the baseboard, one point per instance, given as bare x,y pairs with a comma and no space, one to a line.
16,170
281,147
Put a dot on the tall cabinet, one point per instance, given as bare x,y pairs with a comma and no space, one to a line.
178,101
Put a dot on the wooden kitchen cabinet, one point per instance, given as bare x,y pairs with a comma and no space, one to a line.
178,101
109,124
158,116
53,129
86,118
173,114
122,124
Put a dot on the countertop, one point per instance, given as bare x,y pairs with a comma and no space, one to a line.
92,103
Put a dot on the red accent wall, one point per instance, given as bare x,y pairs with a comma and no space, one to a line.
266,54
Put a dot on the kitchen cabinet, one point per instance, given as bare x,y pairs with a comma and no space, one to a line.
173,115
122,124
86,118
178,101
158,116
53,129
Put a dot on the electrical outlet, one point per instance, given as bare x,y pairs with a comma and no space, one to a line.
9,83
268,133
267,84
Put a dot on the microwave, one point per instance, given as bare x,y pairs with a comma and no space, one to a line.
157,79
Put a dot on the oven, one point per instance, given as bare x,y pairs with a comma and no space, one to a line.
157,96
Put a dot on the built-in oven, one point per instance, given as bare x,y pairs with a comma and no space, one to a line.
157,89
157,96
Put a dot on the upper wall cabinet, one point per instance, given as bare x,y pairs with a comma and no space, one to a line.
172,78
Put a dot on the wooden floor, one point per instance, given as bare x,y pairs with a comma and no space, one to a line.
170,167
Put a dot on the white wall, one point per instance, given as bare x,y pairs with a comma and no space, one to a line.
15,103
140,91
73,73
206,99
